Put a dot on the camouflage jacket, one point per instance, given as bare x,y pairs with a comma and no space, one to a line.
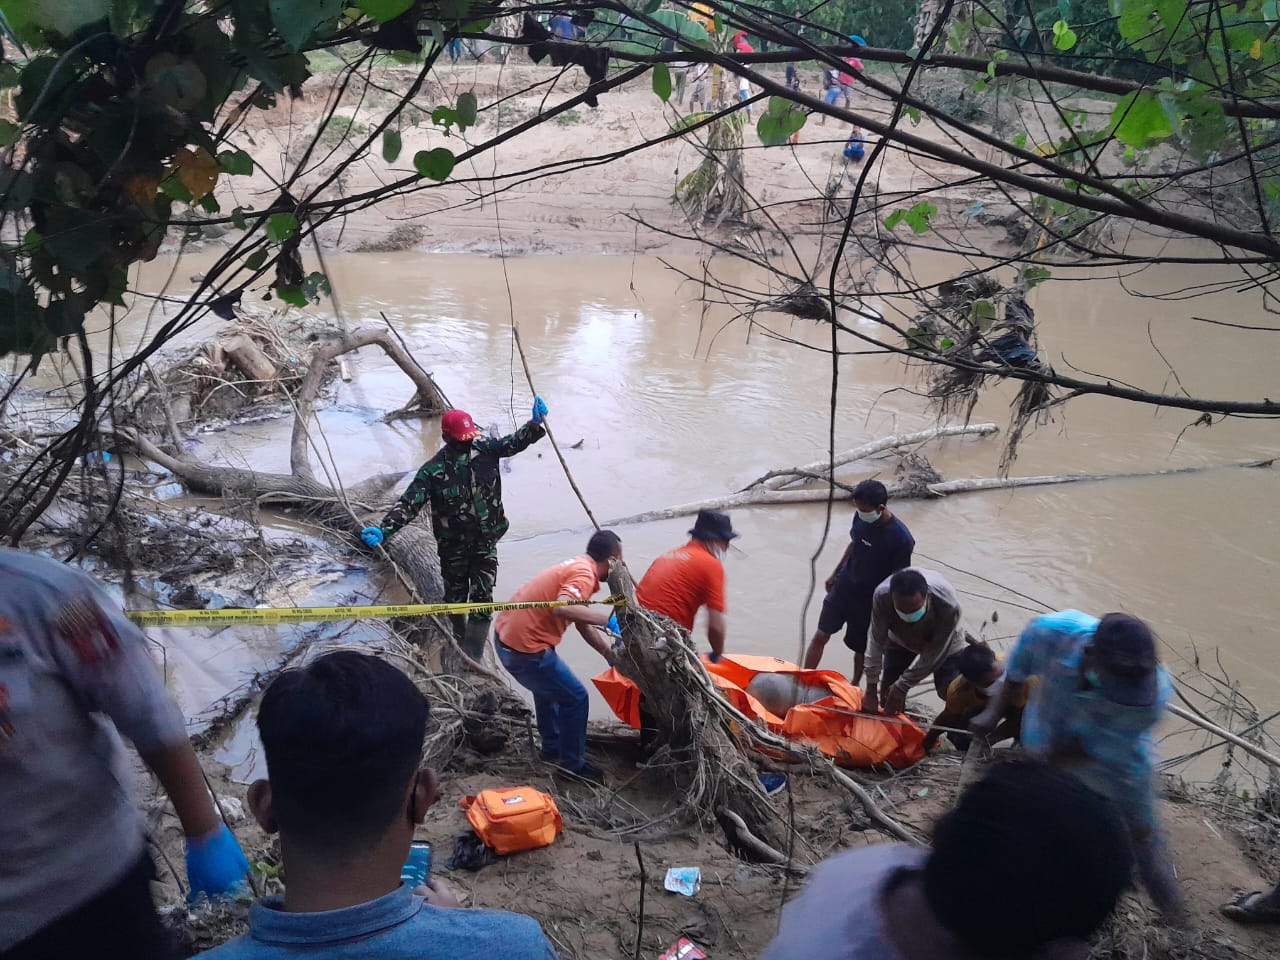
464,490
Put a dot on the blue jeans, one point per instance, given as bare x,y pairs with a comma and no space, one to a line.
559,700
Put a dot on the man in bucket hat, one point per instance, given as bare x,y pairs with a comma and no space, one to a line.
682,581
463,485
1101,693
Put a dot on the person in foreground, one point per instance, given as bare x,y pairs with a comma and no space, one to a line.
879,545
527,641
75,873
915,631
1254,906
682,581
343,739
462,484
1100,694
977,689
1027,866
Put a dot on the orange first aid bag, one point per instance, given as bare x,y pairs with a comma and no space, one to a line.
513,819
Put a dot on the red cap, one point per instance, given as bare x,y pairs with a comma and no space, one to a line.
458,425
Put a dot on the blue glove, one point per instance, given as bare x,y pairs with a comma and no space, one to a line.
612,625
539,409
216,866
714,657
372,536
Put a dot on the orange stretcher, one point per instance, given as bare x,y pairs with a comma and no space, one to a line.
832,724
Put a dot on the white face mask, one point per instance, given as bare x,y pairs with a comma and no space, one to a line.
872,517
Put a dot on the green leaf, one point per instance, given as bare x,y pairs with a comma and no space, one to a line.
991,69
947,343
455,9
690,120
467,110
9,132
315,285
1139,120
255,260
913,114
982,310
688,33
895,218
237,219
917,218
235,163
1020,141
662,82
383,10
209,205
281,226
391,144
434,164
1034,275
1064,38
172,188
780,121
297,20
292,295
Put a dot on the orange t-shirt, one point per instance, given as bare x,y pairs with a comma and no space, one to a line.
532,631
682,580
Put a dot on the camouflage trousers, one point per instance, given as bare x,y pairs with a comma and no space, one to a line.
469,570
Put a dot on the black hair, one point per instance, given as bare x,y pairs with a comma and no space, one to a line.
603,545
908,583
1055,851
975,662
343,739
872,492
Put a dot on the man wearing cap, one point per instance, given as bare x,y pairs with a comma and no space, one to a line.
879,545
1101,692
463,484
682,581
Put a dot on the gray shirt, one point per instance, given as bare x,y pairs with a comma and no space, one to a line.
838,915
934,637
73,670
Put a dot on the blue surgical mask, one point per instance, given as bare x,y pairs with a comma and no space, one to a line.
872,517
913,617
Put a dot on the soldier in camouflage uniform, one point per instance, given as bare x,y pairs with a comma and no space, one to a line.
462,484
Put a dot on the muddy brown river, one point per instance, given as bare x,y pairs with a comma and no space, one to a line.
669,410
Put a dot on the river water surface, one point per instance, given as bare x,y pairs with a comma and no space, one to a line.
667,413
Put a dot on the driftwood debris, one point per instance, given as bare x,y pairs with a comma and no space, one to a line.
428,397
770,489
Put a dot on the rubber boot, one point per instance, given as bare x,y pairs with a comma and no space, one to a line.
475,638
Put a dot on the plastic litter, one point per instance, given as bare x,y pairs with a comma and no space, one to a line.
683,949
683,880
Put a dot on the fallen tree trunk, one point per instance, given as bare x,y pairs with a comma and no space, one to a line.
780,479
763,496
719,780
428,395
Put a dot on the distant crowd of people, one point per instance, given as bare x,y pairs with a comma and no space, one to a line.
1029,863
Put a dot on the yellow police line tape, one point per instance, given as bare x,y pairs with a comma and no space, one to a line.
239,616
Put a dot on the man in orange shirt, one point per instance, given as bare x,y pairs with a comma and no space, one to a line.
527,639
684,580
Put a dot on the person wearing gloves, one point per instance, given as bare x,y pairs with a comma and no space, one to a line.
915,630
682,581
527,639
75,874
462,484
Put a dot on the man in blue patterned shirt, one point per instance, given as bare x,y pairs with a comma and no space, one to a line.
1101,693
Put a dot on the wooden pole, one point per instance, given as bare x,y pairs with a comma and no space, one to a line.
524,362
1251,748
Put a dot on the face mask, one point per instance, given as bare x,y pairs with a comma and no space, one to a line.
872,517
913,617
994,689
